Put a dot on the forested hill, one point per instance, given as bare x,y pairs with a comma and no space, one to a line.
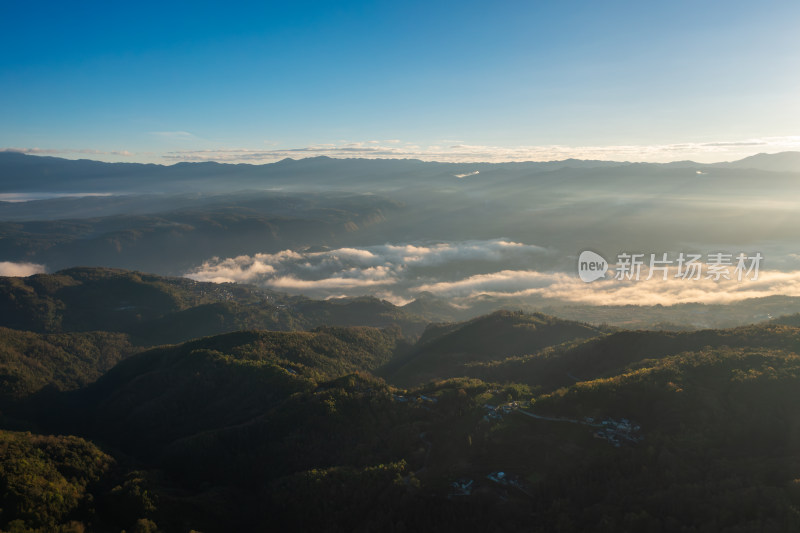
446,350
592,429
157,310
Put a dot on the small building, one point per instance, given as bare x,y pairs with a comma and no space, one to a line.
461,487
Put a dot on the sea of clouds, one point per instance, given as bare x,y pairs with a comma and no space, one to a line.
466,270
389,271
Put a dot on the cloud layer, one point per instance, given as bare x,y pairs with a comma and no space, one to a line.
396,270
66,151
465,153
566,287
448,151
462,272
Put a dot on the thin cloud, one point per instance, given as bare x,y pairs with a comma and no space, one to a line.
35,151
335,283
174,135
473,153
467,174
741,143
56,151
452,152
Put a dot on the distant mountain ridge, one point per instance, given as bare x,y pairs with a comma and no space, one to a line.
29,173
780,162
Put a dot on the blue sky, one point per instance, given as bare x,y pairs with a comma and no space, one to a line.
173,81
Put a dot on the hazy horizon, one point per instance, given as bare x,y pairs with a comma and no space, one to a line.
788,145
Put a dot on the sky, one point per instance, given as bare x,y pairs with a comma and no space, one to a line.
453,81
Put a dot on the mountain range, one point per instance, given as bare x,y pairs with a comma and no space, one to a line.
26,173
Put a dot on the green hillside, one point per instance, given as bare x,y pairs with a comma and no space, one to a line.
31,361
163,395
721,447
159,310
592,429
65,484
594,358
446,350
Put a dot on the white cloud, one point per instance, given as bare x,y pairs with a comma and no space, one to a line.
335,283
507,281
20,269
467,174
240,269
390,296
56,151
567,287
354,270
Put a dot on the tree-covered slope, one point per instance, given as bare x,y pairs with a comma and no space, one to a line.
157,397
158,310
65,361
721,448
445,350
606,355
66,484
257,430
